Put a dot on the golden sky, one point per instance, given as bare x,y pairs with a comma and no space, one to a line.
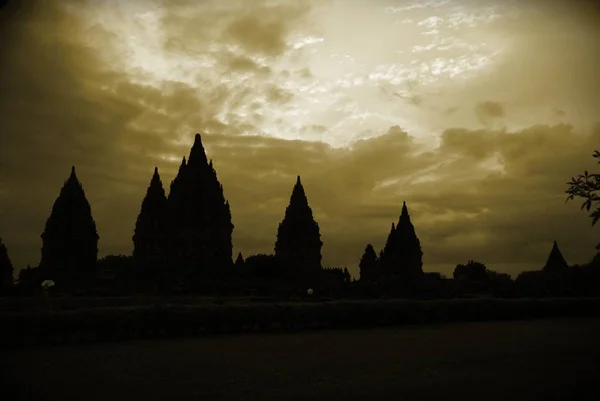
475,112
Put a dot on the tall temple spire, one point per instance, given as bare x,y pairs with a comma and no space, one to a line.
199,215
298,245
402,255
70,239
149,238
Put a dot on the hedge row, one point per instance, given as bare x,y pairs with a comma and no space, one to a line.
24,304
144,322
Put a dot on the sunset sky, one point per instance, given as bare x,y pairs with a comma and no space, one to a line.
476,113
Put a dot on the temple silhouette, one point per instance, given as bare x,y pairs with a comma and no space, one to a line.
182,242
191,228
298,245
70,239
556,263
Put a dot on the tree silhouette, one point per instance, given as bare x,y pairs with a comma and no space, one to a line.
6,269
587,186
473,271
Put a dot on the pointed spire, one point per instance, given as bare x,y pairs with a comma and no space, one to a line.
72,180
404,218
239,260
298,198
156,187
556,262
402,253
197,154
155,176
150,223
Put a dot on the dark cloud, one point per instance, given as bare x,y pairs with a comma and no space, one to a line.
488,111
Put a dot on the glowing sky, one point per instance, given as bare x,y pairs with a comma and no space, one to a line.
474,112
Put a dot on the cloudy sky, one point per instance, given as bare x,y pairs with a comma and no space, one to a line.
475,112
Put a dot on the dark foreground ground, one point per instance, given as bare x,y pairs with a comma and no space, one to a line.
527,360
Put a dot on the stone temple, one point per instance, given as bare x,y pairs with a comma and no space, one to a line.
70,239
298,246
190,229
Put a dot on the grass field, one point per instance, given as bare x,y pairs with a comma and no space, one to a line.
555,359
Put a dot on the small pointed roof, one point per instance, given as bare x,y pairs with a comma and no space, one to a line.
156,186
72,177
404,216
72,186
556,261
239,259
298,198
404,223
197,154
404,209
